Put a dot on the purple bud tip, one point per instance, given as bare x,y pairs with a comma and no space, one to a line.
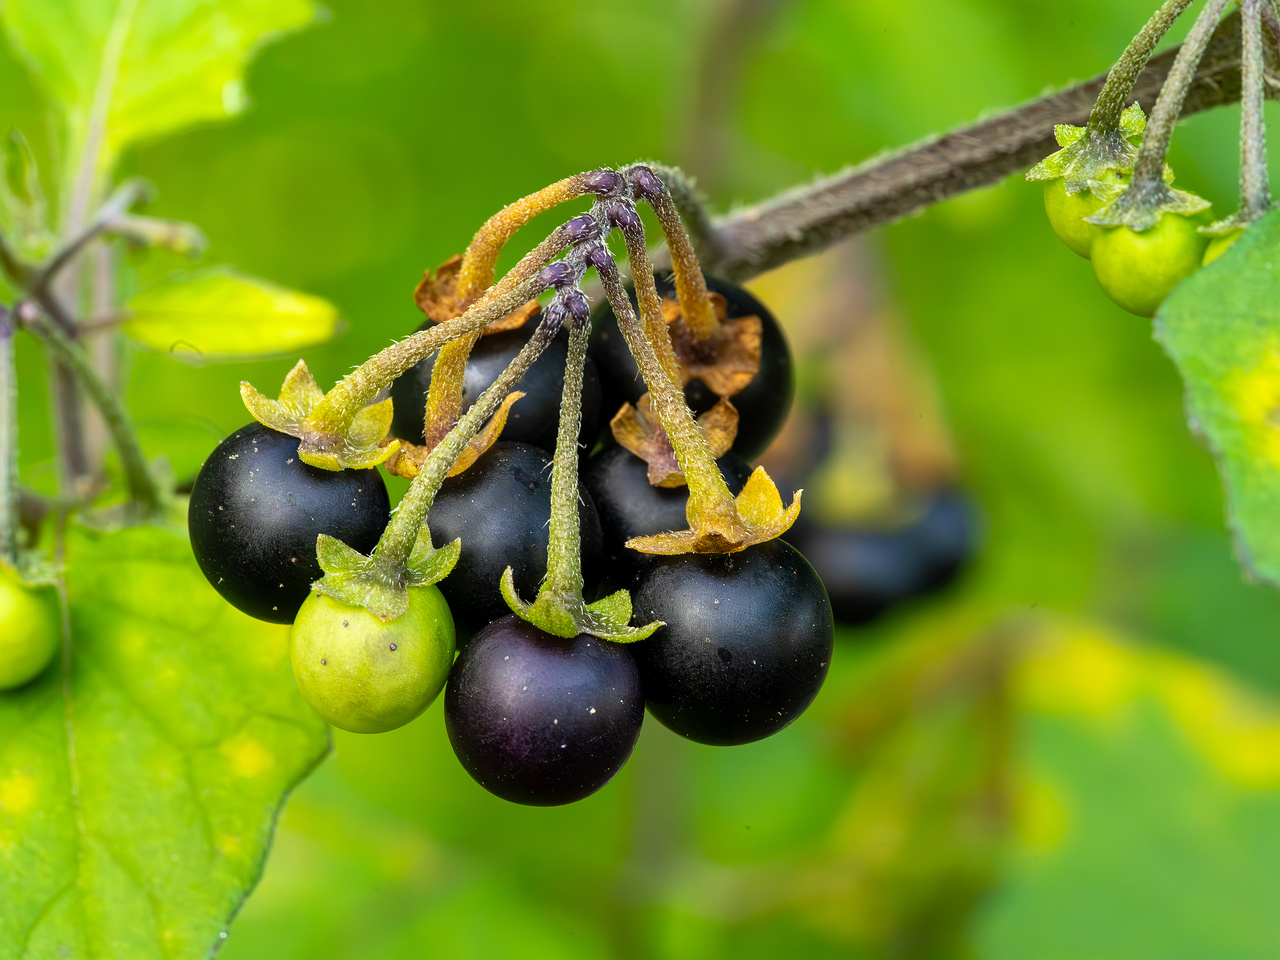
598,256
554,314
603,181
577,305
624,215
579,227
555,274
643,179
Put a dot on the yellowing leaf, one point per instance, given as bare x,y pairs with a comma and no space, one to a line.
220,313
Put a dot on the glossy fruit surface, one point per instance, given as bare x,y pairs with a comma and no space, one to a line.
256,510
501,508
1138,269
539,719
1066,213
367,675
30,630
746,645
534,418
629,506
762,405
869,571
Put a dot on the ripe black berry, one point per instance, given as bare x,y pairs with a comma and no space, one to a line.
501,508
762,405
534,418
630,507
868,572
746,645
539,719
256,510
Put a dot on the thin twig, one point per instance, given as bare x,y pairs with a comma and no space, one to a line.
9,517
125,196
890,188
1255,191
142,485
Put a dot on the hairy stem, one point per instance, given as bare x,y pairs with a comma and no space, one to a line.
564,547
691,286
398,539
709,498
1105,116
803,221
1255,190
142,486
9,516
1148,171
655,326
698,220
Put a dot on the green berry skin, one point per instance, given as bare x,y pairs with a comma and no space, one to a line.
1218,246
1137,270
1066,214
367,675
30,629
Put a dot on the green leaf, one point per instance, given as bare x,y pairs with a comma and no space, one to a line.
1222,328
122,71
139,786
222,314
1147,801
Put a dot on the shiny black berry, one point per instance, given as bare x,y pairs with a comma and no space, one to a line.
746,645
539,719
256,510
762,405
501,508
534,418
869,571
630,507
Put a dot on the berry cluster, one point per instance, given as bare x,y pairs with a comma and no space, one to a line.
1111,200
543,704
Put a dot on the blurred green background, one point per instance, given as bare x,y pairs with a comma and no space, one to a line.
1114,792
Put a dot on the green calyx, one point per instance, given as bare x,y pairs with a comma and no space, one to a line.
381,587
1086,154
1140,206
567,614
357,446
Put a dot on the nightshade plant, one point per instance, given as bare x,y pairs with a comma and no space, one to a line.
107,696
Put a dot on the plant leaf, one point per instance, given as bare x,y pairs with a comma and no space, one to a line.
122,71
222,314
139,785
1222,328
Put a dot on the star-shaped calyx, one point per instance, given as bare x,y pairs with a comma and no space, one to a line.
356,446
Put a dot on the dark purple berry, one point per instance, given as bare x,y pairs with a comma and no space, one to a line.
539,719
869,571
256,510
762,405
501,508
746,645
630,507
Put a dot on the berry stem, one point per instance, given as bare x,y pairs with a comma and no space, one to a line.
398,540
564,582
1104,119
655,326
697,218
710,502
1148,170
691,287
332,415
143,490
9,518
1255,191
475,275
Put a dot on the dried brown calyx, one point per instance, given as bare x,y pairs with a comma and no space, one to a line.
727,359
438,296
639,430
407,461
